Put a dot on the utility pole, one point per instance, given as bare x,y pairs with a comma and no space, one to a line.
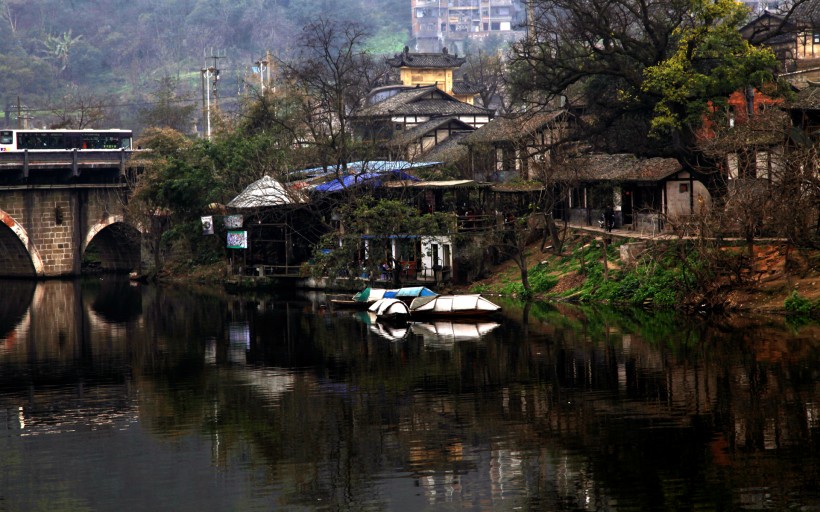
206,101
215,79
210,77
264,71
206,117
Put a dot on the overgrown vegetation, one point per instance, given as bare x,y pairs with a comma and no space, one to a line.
800,306
665,274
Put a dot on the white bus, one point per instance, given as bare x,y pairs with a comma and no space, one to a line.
55,140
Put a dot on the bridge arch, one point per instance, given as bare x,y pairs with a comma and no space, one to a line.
115,243
18,256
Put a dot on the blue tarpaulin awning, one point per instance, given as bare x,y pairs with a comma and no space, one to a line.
373,179
412,291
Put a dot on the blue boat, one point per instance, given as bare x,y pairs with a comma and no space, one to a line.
368,296
409,293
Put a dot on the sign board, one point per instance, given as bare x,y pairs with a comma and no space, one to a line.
238,239
233,221
207,225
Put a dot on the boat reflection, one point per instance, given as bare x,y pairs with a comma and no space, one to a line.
390,331
444,330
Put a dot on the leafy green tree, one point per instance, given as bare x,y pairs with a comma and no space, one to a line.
175,188
58,47
637,68
382,221
708,60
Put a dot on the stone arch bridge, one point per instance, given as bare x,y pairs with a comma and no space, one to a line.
57,206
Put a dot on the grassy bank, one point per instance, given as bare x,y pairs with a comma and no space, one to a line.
667,274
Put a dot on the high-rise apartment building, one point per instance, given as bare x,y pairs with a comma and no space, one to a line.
449,23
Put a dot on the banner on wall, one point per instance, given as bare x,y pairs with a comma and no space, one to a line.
238,239
233,221
207,225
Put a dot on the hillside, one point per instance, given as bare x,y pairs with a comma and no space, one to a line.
65,54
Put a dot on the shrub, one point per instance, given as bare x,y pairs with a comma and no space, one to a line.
798,305
480,288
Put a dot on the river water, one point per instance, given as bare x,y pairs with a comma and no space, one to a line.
120,397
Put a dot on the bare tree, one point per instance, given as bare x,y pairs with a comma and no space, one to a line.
488,70
329,76
169,107
79,110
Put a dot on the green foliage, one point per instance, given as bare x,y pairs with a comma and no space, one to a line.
709,60
541,279
387,41
90,44
514,288
480,288
168,110
382,221
658,280
800,306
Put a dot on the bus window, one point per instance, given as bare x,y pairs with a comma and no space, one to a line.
6,137
92,141
125,143
27,141
54,141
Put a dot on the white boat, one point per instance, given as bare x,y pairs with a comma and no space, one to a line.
389,309
452,305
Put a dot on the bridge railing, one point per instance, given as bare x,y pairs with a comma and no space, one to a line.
73,159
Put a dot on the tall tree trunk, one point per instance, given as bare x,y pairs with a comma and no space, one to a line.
521,259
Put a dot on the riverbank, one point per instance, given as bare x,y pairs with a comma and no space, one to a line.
643,272
651,273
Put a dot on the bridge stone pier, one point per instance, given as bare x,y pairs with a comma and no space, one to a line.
47,225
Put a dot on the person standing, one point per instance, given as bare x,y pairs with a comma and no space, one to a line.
609,218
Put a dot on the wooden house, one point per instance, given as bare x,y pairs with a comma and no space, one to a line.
644,192
794,37
515,146
414,143
406,108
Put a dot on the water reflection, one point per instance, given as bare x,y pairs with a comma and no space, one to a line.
13,311
453,330
272,402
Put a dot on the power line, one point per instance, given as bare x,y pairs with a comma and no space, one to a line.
122,105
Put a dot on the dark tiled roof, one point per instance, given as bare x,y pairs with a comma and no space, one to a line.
421,101
426,60
618,168
525,186
511,128
807,13
441,108
461,87
449,151
406,137
807,99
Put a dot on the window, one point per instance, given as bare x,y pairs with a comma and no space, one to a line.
816,38
6,137
683,188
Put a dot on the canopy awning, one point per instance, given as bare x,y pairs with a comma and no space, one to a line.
266,192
